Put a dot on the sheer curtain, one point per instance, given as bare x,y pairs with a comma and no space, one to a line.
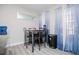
76,30
69,24
67,28
72,29
58,28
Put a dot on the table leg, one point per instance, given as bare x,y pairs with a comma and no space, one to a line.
39,43
32,42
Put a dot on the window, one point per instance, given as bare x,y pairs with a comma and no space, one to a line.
24,16
68,21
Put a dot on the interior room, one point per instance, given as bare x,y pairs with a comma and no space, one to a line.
39,29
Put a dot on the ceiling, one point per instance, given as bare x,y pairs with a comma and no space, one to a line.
38,8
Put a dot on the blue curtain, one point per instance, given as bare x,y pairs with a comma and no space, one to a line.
72,40
76,35
69,28
72,29
58,28
47,19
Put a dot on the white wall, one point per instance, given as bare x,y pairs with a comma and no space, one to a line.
52,21
8,17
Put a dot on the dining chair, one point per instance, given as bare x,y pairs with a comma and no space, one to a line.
42,36
26,37
37,38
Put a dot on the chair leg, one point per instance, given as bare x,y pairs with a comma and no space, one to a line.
39,43
24,42
33,48
44,43
26,45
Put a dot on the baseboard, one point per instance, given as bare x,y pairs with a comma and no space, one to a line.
14,44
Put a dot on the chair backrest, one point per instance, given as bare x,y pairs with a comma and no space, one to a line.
26,32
